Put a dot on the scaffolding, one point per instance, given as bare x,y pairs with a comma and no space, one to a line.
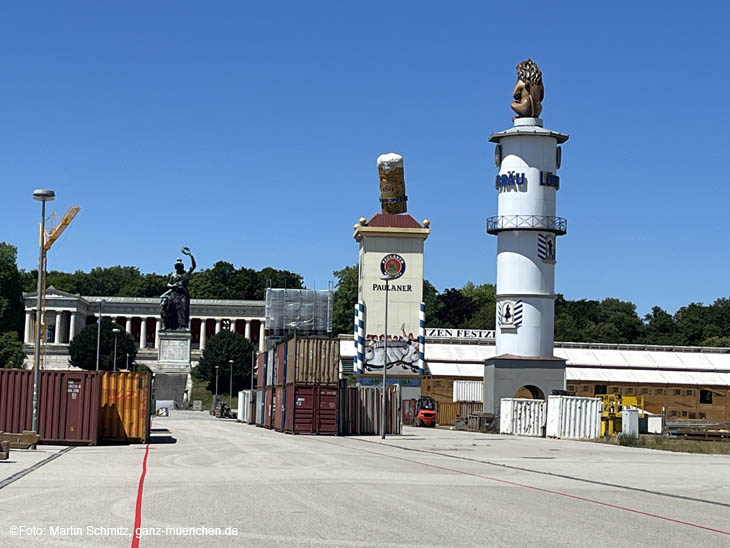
298,311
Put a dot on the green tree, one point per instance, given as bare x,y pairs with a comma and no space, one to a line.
218,351
82,349
11,290
660,328
457,308
434,305
345,298
484,297
11,351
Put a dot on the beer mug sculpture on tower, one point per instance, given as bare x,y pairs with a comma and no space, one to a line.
393,197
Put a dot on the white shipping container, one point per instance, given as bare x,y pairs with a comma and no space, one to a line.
244,406
259,407
522,417
573,417
468,391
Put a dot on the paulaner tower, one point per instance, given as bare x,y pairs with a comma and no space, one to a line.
528,157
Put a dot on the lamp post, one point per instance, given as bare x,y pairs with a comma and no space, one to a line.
216,386
386,279
127,362
98,333
230,385
42,196
116,334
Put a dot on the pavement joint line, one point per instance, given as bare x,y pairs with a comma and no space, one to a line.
15,477
531,487
553,474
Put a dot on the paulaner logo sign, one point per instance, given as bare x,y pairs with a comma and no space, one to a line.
393,265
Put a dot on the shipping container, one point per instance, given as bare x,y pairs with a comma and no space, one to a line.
522,417
279,409
359,410
260,404
261,370
312,361
269,407
468,391
573,417
446,412
125,406
408,411
311,410
281,362
247,406
68,411
270,367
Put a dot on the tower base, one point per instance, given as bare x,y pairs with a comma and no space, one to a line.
505,375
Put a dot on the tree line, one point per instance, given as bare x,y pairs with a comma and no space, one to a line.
609,320
472,306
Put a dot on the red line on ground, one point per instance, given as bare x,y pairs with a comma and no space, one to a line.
138,508
541,489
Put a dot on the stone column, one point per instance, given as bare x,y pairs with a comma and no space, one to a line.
158,325
143,333
71,326
28,335
128,326
232,326
203,333
57,331
217,325
262,336
247,330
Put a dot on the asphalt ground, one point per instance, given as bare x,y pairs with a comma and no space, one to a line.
211,482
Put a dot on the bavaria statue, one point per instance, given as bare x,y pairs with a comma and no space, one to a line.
175,302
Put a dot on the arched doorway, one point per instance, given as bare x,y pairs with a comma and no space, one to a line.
529,392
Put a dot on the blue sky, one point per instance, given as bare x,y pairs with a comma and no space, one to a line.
249,132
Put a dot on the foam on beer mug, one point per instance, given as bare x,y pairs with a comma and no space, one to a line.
393,197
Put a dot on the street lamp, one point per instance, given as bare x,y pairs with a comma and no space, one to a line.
230,385
43,196
216,386
116,334
387,278
98,333
127,361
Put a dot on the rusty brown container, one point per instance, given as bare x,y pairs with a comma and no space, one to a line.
311,410
279,408
68,410
313,361
281,359
125,407
261,375
268,407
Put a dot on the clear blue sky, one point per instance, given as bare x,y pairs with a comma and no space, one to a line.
249,132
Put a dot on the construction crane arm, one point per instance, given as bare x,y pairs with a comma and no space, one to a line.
67,218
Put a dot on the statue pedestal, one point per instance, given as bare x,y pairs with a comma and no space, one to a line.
174,351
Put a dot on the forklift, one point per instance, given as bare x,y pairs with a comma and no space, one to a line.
425,412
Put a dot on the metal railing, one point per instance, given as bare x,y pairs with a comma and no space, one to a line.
558,225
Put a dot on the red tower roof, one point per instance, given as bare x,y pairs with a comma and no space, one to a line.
392,220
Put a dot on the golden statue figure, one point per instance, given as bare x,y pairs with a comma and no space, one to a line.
529,91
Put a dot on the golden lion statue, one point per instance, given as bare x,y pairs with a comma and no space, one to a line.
529,91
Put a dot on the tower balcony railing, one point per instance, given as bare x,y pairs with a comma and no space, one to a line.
558,225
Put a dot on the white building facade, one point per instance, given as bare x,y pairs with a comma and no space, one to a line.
66,314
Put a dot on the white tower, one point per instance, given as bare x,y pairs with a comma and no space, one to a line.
528,157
